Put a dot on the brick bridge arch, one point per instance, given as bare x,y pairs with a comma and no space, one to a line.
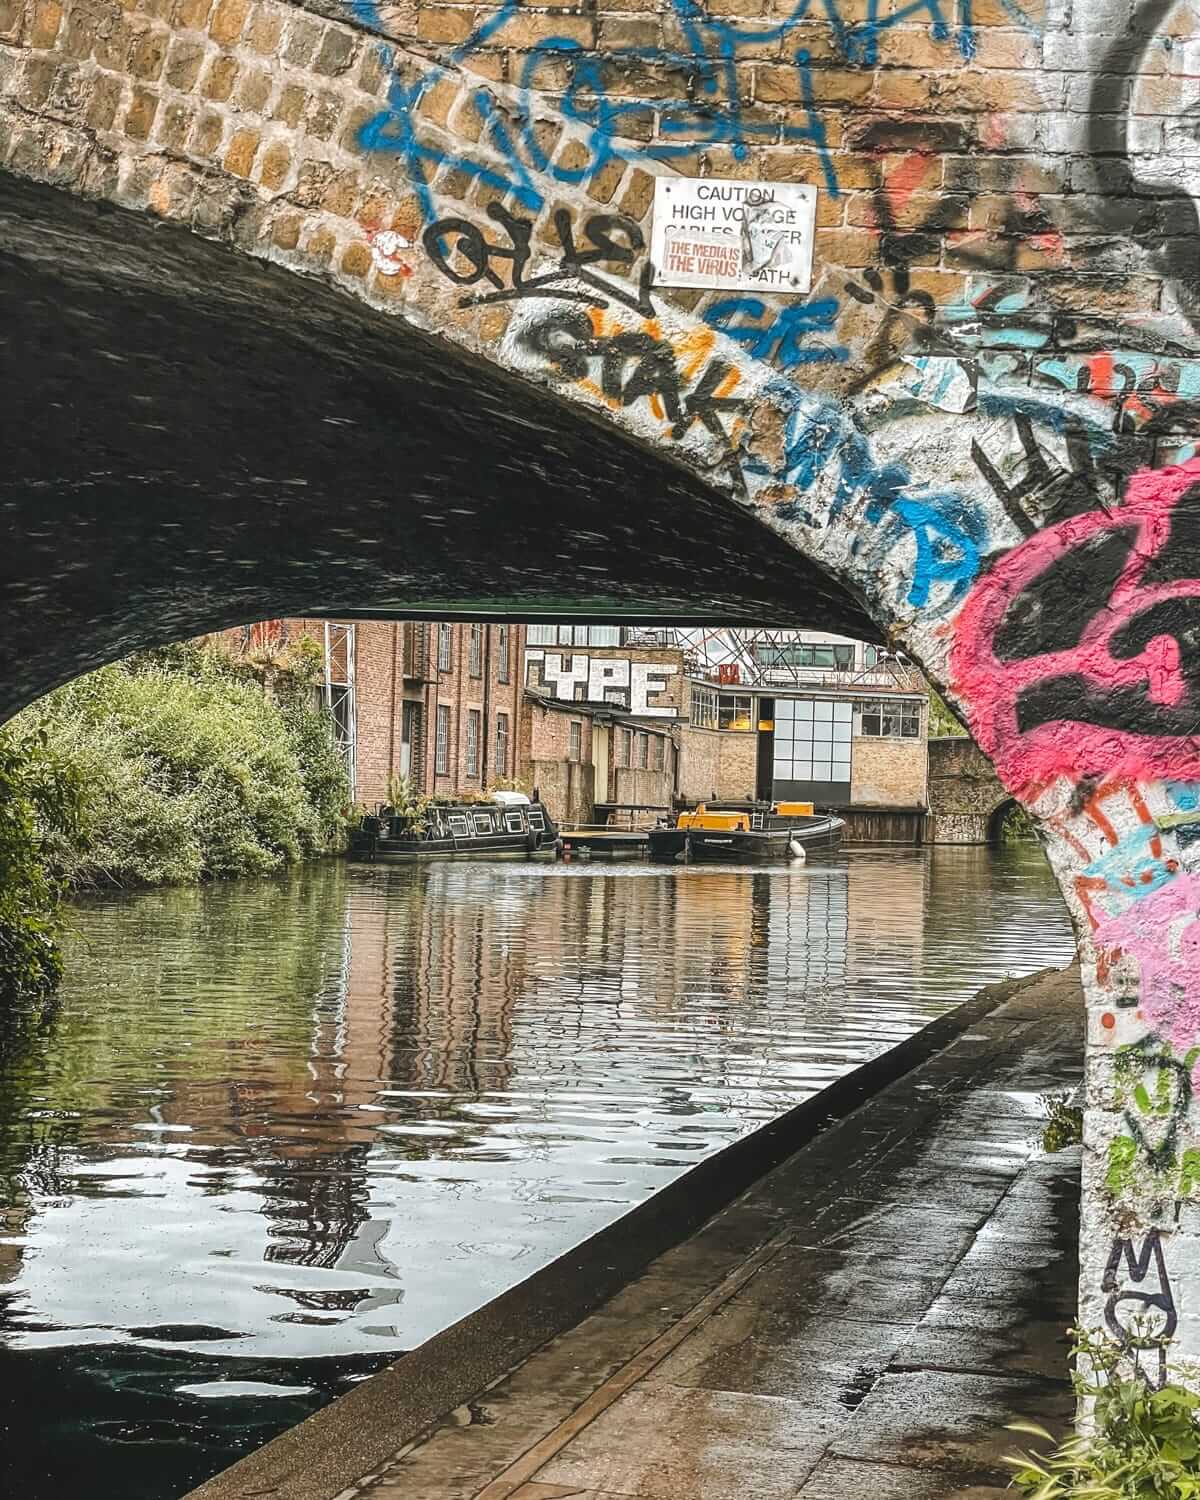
971,439
966,797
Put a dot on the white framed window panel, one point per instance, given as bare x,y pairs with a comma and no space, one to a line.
812,740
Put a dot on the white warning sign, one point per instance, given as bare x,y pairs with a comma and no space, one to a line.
744,236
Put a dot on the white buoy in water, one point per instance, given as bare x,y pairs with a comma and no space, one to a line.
796,849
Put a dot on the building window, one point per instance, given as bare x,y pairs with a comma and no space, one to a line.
473,717
626,748
445,640
441,759
575,747
501,766
574,635
475,651
411,742
735,711
502,653
415,638
704,708
827,655
890,719
660,752
643,751
812,741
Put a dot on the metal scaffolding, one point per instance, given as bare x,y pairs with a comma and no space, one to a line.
766,658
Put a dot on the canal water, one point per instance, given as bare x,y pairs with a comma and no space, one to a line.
274,1133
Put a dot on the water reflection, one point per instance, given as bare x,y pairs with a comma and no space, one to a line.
275,1133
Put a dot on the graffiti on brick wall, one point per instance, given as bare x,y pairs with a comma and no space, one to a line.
1077,653
1120,83
466,256
800,333
683,383
709,108
1084,642
575,677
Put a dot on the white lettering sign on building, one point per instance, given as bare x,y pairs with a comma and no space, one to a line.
573,677
741,236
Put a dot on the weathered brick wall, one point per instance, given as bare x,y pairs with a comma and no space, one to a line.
965,793
634,786
713,764
888,772
567,787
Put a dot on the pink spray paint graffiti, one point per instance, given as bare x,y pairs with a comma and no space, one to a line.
1078,657
1161,934
1081,647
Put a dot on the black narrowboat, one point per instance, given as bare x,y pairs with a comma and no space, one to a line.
509,824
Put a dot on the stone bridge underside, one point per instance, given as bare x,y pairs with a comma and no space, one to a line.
194,439
976,437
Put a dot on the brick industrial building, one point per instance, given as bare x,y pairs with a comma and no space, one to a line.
433,702
610,722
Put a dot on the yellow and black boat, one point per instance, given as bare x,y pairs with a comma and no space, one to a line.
781,830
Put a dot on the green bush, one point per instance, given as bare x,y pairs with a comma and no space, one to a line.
39,800
193,767
942,718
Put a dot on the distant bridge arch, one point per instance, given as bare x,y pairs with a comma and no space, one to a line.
967,800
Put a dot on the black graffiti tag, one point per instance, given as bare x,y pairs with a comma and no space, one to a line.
462,253
635,366
1055,611
1141,1336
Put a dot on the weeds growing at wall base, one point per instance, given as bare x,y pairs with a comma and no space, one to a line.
1146,1443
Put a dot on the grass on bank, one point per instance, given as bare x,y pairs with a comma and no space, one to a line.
172,767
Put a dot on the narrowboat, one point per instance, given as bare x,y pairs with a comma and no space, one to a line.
509,824
785,830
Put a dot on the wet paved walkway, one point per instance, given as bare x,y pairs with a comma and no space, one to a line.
862,1323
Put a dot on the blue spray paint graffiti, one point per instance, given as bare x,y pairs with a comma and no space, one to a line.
1184,821
949,533
711,115
784,339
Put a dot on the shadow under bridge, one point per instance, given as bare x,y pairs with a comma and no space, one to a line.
196,439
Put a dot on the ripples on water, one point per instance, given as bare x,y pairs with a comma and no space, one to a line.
276,1132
